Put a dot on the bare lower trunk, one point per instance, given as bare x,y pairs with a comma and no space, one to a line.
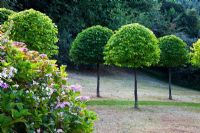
170,90
135,91
98,78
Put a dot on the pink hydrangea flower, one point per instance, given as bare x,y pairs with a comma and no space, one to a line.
4,85
5,40
2,47
62,105
83,98
75,88
18,44
23,49
43,55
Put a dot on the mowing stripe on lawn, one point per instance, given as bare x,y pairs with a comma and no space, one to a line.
143,103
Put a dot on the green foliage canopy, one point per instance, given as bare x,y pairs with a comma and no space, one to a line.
174,51
195,54
35,29
133,46
4,13
88,46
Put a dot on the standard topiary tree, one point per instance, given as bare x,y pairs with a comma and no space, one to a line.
195,54
88,46
133,46
4,13
35,29
173,54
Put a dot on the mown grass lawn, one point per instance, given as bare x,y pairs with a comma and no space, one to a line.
141,103
119,84
157,114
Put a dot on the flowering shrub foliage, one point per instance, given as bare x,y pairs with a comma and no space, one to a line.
35,95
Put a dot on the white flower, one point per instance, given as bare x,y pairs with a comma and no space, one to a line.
59,131
48,75
35,83
16,85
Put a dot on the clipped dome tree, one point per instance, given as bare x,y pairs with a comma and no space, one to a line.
4,13
174,53
133,46
195,54
88,46
35,29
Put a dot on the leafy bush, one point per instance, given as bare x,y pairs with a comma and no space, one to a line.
4,13
195,54
88,46
132,46
35,29
174,51
35,95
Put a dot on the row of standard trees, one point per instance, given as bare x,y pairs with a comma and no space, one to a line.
133,46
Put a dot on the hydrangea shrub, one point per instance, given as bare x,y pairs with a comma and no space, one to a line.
35,95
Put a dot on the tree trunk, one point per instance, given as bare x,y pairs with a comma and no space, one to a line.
98,78
135,91
170,90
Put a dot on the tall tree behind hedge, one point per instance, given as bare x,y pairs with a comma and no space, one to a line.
133,46
88,47
73,16
174,53
78,15
8,3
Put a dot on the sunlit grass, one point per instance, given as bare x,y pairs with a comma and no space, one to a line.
141,103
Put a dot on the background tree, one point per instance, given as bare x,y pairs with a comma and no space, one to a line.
174,53
88,47
133,46
8,3
35,29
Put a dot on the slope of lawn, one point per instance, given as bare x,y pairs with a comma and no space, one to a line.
156,114
119,84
